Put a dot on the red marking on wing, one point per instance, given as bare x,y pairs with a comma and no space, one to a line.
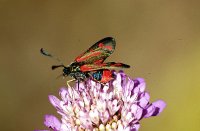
104,47
117,64
91,50
79,57
83,58
101,45
106,76
85,68
98,61
90,67
109,65
108,47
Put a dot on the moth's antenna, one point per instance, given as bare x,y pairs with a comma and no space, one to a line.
56,66
44,52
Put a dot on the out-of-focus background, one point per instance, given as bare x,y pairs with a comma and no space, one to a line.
159,39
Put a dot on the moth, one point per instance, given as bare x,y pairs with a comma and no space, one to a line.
91,63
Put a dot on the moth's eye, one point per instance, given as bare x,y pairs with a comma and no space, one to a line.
66,71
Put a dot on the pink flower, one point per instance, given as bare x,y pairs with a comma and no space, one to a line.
119,105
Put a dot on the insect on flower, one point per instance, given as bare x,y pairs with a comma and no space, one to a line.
91,63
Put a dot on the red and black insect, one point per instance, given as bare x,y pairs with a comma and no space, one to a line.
91,63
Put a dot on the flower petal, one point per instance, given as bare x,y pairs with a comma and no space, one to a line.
135,126
144,99
140,87
52,122
64,94
155,108
55,102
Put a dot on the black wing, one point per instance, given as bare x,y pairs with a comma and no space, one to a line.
97,53
109,65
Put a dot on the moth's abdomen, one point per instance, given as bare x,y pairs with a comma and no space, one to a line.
103,76
97,75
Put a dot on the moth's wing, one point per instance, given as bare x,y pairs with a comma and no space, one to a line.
97,53
109,65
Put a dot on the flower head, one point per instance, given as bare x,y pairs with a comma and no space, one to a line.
118,105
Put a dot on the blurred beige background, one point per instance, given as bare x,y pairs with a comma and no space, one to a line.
159,39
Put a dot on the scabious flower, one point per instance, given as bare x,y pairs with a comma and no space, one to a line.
119,105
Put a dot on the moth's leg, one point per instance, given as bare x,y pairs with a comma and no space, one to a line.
78,84
69,82
90,74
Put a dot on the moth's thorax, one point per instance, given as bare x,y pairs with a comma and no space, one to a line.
74,67
73,70
78,75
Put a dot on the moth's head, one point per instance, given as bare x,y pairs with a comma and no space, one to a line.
66,71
